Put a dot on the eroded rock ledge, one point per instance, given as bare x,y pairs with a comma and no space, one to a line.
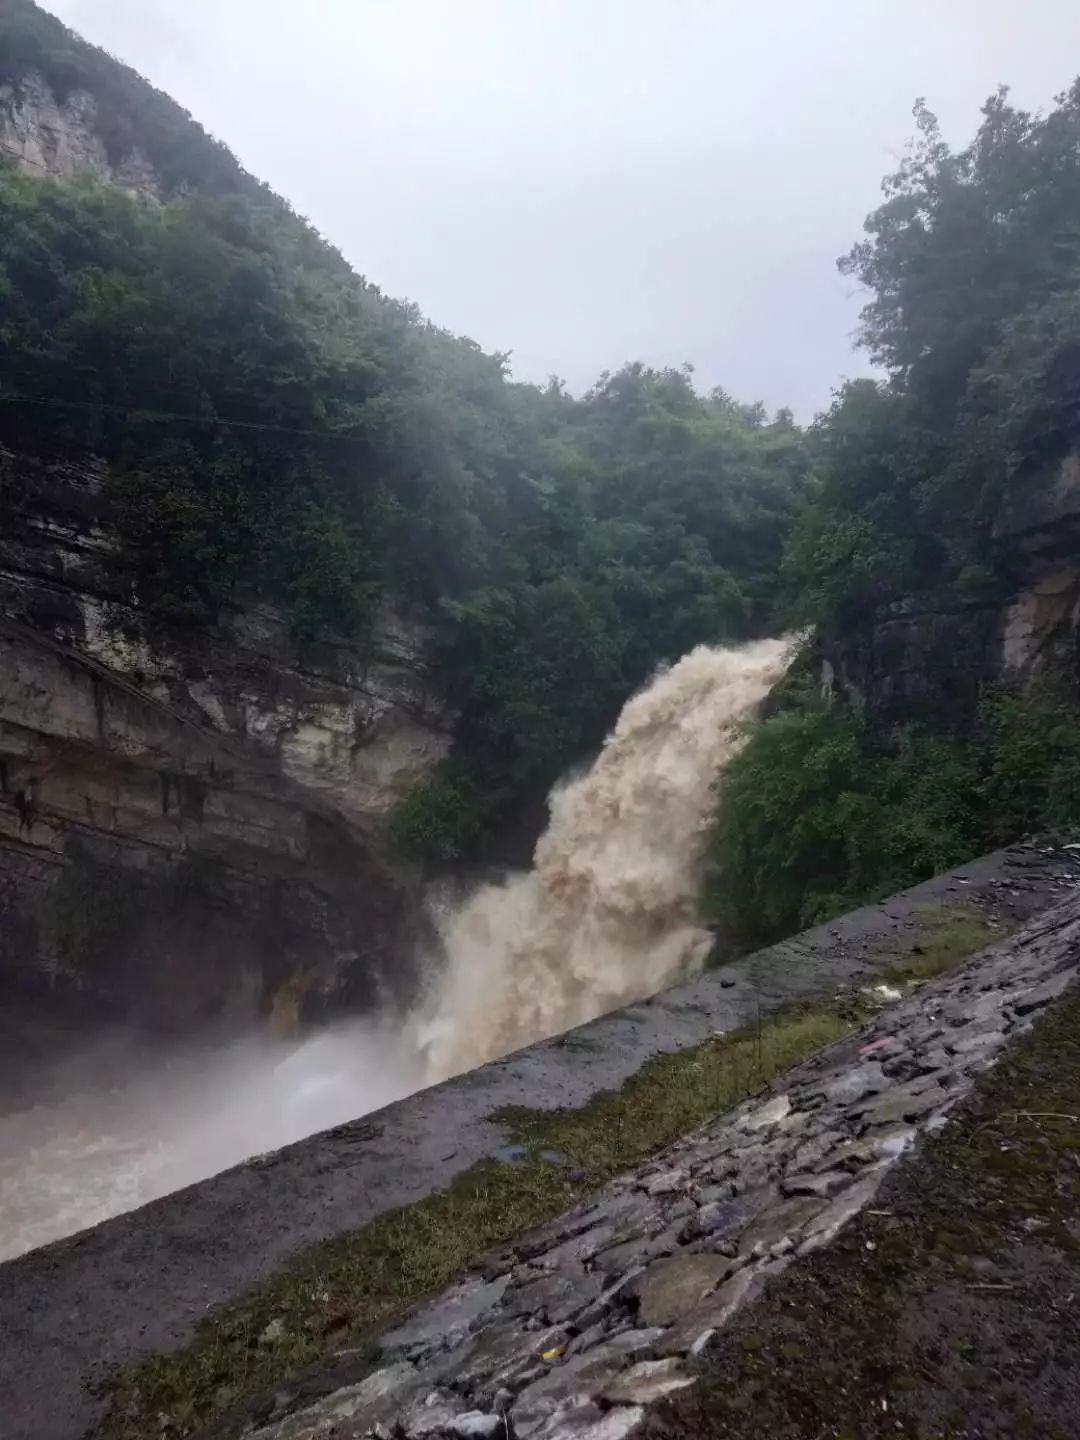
577,1327
190,818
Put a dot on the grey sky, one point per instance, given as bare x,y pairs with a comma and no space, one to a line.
585,182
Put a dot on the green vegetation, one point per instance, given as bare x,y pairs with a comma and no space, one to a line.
972,263
947,935
818,813
276,427
973,266
333,1296
814,817
673,1094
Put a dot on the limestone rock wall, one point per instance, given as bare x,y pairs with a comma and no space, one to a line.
44,136
191,820
919,662
1040,539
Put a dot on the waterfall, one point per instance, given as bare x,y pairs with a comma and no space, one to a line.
607,915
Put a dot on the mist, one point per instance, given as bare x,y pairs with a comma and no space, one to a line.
121,1121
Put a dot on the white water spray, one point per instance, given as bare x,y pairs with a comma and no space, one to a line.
607,915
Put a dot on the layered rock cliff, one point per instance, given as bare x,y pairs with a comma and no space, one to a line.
42,135
190,819
924,662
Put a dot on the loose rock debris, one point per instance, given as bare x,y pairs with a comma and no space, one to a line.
555,1340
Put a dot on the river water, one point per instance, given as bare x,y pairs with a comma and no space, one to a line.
607,915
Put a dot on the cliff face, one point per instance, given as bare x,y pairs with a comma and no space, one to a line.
190,819
1039,539
916,662
42,136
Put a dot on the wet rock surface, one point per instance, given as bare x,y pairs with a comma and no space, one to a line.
563,1347
947,1308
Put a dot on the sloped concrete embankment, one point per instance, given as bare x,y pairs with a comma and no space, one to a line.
139,1283
576,1328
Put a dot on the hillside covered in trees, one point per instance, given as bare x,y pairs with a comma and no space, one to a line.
276,428
972,264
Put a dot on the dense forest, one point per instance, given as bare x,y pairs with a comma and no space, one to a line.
972,266
275,427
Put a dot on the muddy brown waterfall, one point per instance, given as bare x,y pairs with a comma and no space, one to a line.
608,914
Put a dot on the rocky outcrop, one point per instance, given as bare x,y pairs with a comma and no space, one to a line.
571,1330
190,820
43,136
1040,540
925,663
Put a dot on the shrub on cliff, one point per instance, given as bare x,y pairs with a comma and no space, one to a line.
816,815
813,818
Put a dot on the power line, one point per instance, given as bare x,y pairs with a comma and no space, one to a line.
22,158
13,397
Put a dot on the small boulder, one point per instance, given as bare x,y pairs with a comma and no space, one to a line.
670,1288
274,1332
647,1382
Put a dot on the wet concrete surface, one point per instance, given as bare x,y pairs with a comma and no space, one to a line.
74,1309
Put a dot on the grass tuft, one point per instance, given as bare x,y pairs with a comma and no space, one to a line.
948,935
673,1094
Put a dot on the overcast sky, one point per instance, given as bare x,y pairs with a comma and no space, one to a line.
585,182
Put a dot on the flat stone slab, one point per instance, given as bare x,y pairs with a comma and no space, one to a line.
904,1103
669,1288
714,1312
457,1311
782,1220
382,1396
648,1382
1043,994
866,1079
